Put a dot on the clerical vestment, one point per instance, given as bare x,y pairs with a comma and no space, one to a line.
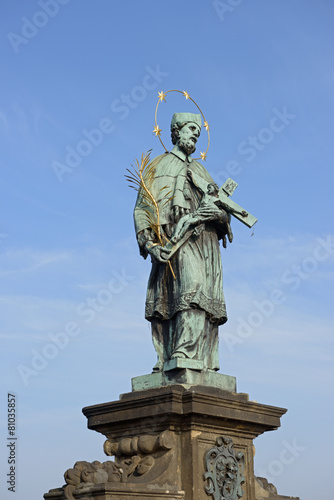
197,264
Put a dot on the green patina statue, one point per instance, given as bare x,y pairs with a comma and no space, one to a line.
185,307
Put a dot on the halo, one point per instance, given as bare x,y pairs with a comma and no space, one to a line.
157,131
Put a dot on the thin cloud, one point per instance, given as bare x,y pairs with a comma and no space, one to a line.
28,260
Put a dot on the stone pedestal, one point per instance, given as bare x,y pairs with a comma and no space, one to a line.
195,418
162,440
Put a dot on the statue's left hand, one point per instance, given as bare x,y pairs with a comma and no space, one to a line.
211,212
215,214
228,233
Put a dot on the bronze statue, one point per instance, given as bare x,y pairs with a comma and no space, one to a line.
184,311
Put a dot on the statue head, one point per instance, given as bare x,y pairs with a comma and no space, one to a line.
186,129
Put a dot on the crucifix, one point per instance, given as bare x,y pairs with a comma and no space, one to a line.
233,208
222,199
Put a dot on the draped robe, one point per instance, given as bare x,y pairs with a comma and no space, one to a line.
184,312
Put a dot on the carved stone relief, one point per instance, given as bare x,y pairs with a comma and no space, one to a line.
224,470
137,460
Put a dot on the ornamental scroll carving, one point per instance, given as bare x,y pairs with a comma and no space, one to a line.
137,460
224,471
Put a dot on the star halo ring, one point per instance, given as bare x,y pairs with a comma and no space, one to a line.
157,131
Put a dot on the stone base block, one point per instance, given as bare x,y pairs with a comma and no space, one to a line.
177,371
110,491
173,443
187,424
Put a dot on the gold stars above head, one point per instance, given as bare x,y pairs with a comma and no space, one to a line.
157,131
162,96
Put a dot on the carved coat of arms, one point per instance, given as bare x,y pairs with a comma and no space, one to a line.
224,471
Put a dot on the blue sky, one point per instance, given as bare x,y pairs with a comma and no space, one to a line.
262,72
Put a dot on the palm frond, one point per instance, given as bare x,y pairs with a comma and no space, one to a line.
141,179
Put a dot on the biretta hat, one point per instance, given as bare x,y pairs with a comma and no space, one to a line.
186,118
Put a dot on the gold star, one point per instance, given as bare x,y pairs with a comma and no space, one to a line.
203,156
186,95
162,96
206,125
157,131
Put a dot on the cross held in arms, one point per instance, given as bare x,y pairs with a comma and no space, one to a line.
223,201
231,207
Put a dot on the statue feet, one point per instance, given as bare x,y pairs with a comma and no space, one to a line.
178,355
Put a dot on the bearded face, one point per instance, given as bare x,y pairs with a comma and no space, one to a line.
187,146
188,136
